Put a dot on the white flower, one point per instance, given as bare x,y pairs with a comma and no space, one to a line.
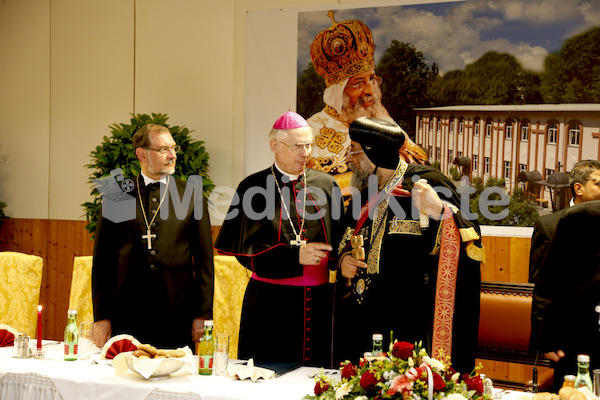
413,374
344,390
390,375
455,377
435,364
411,362
455,396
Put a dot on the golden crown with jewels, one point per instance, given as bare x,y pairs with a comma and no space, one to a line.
343,50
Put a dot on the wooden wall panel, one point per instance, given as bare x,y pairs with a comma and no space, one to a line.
506,259
57,242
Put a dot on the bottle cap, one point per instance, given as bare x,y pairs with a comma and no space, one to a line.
72,312
583,358
377,336
208,322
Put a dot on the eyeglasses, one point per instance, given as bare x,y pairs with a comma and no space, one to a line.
296,148
165,150
352,153
362,84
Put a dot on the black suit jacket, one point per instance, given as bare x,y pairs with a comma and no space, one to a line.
543,233
570,279
155,294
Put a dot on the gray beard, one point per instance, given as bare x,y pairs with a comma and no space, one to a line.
359,178
377,110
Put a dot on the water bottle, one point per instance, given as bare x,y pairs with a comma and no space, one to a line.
377,345
583,372
488,384
71,336
206,350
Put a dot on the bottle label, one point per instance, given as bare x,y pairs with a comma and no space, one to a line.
205,362
70,349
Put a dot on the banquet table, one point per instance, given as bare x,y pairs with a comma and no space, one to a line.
51,378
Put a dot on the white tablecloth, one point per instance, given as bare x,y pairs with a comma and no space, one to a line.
52,378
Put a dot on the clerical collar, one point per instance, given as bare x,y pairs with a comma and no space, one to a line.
148,180
290,176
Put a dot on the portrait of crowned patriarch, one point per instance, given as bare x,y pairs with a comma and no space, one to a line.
343,55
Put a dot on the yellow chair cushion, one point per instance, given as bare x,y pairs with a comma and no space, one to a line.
231,279
20,281
80,298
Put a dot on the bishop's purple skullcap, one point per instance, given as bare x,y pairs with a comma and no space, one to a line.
290,120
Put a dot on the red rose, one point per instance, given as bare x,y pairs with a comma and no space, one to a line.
402,350
474,383
321,387
348,371
368,380
438,382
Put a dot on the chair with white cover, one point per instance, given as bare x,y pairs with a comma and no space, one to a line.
20,282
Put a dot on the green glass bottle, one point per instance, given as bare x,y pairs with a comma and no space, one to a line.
71,336
583,372
206,350
377,345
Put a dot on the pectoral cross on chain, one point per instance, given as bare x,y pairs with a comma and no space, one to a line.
149,236
298,242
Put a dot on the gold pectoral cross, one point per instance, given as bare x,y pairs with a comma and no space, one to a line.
149,236
298,242
358,249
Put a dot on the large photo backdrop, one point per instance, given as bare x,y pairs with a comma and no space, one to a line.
402,55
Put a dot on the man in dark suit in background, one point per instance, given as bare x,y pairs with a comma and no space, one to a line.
570,282
584,181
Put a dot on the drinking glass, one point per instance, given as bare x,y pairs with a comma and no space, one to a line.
86,340
221,354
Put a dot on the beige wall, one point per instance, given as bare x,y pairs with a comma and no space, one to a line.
70,68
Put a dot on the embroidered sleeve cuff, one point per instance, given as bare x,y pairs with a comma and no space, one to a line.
452,207
468,234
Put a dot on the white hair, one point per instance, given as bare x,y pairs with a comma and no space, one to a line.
277,134
333,96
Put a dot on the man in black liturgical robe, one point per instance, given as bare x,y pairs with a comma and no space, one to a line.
408,259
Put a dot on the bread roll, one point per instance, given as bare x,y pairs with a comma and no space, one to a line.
148,349
569,393
545,396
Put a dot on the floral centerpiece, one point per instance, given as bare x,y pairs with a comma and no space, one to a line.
406,372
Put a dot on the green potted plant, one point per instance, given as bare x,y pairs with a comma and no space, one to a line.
116,151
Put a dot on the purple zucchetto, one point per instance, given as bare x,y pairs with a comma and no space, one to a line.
290,120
